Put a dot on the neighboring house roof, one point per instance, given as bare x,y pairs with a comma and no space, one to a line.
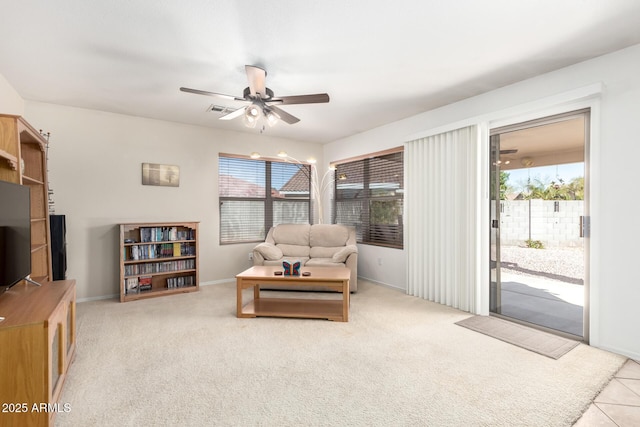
297,184
384,173
514,196
231,186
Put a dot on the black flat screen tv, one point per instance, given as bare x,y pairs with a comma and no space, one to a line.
15,234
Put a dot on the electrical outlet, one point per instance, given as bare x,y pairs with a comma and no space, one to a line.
250,256
379,261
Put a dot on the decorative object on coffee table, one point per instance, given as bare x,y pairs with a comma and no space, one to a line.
291,269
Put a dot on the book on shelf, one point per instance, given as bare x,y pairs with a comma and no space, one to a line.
158,250
144,283
131,285
181,282
159,267
165,234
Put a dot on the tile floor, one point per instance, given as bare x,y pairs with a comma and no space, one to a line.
618,404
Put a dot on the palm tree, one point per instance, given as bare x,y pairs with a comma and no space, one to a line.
537,188
576,188
504,187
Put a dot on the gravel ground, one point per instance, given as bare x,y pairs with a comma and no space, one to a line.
565,264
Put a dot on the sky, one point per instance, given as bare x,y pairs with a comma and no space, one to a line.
519,177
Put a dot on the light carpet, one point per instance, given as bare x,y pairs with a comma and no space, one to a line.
186,360
538,341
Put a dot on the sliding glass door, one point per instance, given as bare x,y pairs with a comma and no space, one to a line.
539,223
494,205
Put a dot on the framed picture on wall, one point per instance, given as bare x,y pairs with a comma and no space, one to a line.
163,175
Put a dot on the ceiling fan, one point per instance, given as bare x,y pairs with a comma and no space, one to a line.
261,100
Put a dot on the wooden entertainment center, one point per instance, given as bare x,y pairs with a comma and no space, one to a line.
23,160
37,345
38,325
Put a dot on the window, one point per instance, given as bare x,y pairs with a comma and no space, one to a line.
247,210
369,195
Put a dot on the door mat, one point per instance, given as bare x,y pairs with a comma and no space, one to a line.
531,339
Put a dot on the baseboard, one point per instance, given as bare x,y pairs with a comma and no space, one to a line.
117,296
622,352
218,282
386,285
114,296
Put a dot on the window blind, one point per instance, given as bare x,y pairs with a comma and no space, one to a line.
369,195
247,209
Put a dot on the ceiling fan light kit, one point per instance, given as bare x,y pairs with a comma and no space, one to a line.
251,116
261,101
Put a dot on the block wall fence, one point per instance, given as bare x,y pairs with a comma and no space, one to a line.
556,223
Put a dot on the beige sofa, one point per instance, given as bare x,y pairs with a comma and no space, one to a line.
318,245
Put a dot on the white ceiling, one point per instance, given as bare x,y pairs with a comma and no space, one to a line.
380,61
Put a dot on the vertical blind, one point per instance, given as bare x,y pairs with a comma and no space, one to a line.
369,195
442,218
247,209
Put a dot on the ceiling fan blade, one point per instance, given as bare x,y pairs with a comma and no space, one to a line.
204,92
233,114
302,99
283,115
257,80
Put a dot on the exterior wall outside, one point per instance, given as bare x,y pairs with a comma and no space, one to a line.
553,229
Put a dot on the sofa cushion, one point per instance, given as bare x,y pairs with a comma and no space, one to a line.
323,262
292,234
322,252
328,235
343,254
293,250
269,251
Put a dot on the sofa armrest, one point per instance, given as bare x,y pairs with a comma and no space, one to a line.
258,259
352,264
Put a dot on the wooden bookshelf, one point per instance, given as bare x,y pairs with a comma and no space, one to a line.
23,161
158,259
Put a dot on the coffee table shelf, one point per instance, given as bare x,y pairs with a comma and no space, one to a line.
290,307
308,308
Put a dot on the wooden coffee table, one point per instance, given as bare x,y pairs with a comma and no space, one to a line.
334,278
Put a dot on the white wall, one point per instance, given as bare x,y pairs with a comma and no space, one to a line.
10,101
95,172
382,265
614,292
